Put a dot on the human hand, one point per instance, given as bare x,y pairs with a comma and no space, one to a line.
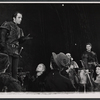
27,37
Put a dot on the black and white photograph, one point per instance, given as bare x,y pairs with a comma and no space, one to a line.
49,47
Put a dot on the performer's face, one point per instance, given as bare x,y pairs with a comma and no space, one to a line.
40,68
98,70
68,55
88,47
18,18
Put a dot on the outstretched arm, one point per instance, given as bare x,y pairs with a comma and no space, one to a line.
24,38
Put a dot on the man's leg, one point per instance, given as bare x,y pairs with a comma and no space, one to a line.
9,70
15,63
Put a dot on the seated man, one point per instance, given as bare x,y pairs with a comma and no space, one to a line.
72,70
38,84
72,63
55,80
7,82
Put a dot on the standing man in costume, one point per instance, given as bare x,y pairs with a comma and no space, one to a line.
56,81
11,38
89,59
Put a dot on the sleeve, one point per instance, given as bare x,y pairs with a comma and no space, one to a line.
21,39
94,56
84,56
3,37
22,33
6,26
96,59
75,65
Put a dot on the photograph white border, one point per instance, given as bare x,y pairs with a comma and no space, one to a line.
49,95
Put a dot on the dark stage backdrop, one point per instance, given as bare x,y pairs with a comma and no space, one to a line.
55,28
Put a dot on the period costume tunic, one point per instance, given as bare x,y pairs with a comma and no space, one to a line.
11,37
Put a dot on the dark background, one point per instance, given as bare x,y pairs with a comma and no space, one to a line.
55,28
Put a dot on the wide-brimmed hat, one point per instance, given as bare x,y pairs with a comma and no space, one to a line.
4,61
60,59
